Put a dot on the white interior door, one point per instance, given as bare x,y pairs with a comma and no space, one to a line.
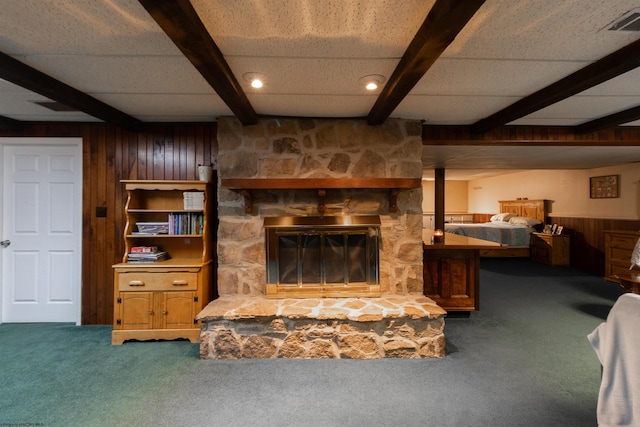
41,217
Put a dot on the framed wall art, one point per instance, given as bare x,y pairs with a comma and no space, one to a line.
604,187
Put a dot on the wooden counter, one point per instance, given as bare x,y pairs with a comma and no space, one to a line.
452,270
454,241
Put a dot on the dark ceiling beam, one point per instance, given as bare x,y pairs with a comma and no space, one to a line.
10,124
29,78
612,65
611,120
179,20
441,26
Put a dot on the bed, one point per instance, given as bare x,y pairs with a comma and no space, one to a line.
512,227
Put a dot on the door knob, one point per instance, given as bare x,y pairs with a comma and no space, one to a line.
5,243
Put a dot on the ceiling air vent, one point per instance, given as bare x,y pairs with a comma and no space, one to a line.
54,106
630,21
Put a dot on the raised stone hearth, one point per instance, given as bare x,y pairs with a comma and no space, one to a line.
403,326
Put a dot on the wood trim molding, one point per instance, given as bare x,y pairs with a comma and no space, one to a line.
313,183
9,123
246,186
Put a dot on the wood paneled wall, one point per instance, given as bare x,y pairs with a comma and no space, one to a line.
110,154
538,135
587,239
172,151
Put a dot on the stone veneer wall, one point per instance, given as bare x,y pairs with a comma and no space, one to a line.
318,148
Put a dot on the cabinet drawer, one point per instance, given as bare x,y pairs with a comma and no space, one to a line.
619,269
619,255
621,241
157,281
539,242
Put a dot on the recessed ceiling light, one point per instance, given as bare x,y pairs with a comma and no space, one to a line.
372,82
255,79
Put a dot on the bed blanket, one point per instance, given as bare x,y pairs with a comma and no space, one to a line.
511,235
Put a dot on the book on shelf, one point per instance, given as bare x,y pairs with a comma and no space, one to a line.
144,249
186,223
147,257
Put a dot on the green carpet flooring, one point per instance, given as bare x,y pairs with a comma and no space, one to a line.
522,360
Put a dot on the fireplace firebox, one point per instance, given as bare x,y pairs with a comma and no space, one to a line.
322,256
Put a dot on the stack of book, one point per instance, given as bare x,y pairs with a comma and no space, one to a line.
193,200
146,254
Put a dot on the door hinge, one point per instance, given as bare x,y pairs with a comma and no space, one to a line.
119,300
118,322
195,321
195,299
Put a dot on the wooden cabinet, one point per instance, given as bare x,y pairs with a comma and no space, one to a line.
552,249
452,278
160,300
618,246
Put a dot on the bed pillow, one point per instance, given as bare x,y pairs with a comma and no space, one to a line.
501,217
521,220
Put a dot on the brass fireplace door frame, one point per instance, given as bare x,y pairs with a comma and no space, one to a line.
326,229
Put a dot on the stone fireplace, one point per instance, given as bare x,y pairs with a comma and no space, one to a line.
329,171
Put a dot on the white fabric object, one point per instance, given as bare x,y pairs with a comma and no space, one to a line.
617,344
524,221
635,256
502,217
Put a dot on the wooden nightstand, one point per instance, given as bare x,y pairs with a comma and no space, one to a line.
552,249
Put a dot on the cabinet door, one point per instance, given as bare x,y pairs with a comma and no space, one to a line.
136,310
178,310
451,278
540,249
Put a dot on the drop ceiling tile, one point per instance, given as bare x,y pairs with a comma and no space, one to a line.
484,77
181,108
75,27
20,105
312,105
123,74
303,76
582,108
445,110
628,84
543,30
321,29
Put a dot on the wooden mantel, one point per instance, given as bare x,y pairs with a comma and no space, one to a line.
245,187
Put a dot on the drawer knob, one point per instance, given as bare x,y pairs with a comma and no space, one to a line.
136,283
180,283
